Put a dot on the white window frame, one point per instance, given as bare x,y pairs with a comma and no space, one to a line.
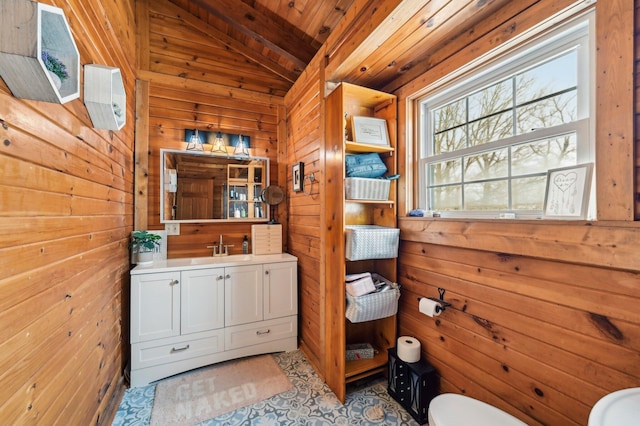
528,49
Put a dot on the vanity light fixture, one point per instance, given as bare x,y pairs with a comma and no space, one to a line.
195,142
219,145
241,147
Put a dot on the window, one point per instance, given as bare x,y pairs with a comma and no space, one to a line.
487,140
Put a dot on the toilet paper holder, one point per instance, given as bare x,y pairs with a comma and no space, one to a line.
440,300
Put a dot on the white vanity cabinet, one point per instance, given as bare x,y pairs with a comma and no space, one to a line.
188,313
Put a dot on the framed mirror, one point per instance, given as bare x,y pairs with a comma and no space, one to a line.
203,187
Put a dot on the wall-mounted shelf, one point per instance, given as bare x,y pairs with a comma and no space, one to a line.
27,29
364,147
105,97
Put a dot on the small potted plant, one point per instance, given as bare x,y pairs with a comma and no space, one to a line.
145,244
57,69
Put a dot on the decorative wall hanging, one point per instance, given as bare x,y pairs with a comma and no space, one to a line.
39,59
298,176
105,97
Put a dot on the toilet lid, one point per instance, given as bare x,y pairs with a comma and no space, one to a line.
620,408
450,409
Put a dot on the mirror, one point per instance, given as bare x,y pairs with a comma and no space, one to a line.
203,187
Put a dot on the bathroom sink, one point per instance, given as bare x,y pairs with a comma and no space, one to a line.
216,260
619,408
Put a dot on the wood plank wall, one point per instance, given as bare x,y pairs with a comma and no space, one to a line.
66,212
544,319
305,131
194,81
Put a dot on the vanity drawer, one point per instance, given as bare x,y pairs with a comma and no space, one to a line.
163,351
260,332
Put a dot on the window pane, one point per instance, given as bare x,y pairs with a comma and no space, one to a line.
491,129
450,141
548,78
539,156
450,115
487,196
548,112
446,198
528,193
487,165
491,100
445,172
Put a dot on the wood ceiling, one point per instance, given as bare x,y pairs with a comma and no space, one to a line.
395,40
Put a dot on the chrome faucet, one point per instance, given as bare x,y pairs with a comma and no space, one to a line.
222,249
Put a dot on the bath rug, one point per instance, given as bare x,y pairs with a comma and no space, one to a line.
209,392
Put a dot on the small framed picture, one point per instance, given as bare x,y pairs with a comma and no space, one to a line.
567,193
370,130
298,176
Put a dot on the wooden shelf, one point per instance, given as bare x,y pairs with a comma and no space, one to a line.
390,202
105,97
42,28
363,147
355,370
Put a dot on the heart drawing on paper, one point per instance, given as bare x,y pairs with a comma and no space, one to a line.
564,181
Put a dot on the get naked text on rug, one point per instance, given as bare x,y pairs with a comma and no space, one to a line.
206,393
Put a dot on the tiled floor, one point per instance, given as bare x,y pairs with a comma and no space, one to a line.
309,402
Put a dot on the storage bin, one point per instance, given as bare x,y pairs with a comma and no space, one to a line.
373,306
371,242
367,189
358,351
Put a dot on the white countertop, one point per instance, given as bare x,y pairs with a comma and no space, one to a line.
190,263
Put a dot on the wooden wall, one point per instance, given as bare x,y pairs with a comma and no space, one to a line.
305,132
190,79
66,212
544,319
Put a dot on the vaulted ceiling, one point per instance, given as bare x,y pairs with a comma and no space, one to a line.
394,40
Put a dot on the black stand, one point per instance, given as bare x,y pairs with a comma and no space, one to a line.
413,385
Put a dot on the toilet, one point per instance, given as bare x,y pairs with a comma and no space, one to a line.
450,409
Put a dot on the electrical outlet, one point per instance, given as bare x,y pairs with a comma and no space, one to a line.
172,228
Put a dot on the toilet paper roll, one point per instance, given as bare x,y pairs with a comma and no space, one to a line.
408,349
429,307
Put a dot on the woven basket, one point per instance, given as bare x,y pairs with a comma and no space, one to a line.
373,306
367,189
371,242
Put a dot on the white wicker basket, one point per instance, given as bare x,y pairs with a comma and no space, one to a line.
373,306
371,242
367,189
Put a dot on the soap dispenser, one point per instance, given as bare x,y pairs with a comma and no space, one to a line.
245,245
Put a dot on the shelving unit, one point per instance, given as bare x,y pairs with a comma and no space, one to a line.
105,96
244,191
42,28
351,100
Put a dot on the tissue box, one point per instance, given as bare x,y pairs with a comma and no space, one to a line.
359,351
371,242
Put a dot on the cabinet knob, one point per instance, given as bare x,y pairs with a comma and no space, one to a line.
174,282
219,277
227,276
266,272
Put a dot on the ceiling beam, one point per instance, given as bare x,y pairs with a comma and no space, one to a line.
223,38
258,26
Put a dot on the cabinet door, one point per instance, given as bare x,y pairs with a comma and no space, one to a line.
155,306
280,290
202,300
242,294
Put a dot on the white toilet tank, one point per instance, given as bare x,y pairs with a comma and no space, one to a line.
450,409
